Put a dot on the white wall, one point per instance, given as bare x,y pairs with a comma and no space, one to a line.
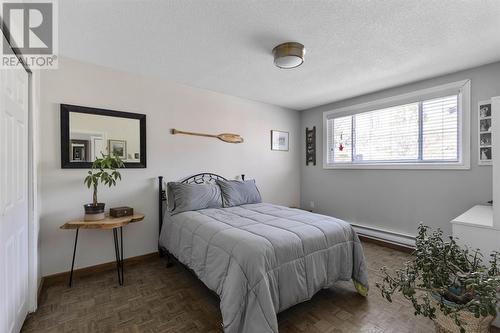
397,200
166,105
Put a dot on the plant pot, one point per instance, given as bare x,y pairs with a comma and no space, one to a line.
446,324
94,212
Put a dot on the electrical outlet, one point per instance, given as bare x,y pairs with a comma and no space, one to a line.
311,204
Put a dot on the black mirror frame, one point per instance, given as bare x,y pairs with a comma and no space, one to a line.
65,137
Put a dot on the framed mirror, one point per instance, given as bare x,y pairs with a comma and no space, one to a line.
86,133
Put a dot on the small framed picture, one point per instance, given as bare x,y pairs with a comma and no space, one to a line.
78,153
485,139
485,154
79,150
485,110
118,148
484,133
484,125
279,140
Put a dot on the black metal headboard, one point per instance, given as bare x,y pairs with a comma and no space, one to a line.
201,178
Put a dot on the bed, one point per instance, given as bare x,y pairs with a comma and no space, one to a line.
260,258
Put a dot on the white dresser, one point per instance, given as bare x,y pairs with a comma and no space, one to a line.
479,227
475,229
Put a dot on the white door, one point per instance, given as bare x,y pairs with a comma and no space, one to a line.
13,199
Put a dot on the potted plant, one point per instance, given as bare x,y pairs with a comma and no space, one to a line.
447,283
103,171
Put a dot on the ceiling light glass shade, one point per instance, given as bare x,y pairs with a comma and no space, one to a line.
289,55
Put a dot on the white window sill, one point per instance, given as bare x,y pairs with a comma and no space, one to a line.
400,166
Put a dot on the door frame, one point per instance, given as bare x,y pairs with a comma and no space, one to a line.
34,281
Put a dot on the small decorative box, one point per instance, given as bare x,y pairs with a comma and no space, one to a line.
121,211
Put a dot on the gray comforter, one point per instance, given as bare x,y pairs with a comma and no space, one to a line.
262,259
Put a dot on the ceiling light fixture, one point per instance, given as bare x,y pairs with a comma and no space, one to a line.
289,55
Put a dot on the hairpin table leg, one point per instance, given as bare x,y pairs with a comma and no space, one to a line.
121,252
117,256
73,261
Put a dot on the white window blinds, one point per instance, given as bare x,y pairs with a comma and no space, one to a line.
440,129
420,132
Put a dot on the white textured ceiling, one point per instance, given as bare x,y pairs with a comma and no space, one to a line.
353,47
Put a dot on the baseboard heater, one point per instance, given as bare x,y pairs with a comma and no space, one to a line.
387,236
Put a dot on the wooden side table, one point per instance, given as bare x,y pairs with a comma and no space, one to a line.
109,222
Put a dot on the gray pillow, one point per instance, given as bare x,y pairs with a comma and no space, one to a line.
236,192
184,197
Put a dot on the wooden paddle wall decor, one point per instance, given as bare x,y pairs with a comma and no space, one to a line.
226,137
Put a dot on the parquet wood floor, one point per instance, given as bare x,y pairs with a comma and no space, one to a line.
157,299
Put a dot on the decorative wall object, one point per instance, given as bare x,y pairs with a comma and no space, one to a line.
118,148
88,133
279,140
484,133
226,137
311,145
79,150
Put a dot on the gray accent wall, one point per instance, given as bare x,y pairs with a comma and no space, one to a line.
397,200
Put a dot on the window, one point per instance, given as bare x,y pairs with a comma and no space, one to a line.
425,129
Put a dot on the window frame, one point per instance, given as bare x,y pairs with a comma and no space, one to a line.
462,88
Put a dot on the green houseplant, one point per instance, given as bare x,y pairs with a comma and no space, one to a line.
103,171
447,283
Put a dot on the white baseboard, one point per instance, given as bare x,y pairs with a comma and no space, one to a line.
385,235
